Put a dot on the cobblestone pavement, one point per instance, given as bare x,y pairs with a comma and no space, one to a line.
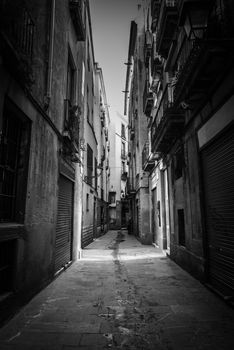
122,295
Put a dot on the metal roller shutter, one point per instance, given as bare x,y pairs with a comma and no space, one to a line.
63,246
218,175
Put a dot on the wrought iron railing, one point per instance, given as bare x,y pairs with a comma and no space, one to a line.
148,99
148,46
165,110
71,125
189,51
145,153
164,5
165,102
123,154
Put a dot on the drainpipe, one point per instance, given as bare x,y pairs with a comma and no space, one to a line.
50,57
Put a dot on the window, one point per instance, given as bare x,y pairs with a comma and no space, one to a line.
89,165
123,131
91,119
179,163
181,227
70,79
87,202
96,177
83,79
159,213
87,104
112,197
93,84
88,56
123,153
14,154
123,167
70,88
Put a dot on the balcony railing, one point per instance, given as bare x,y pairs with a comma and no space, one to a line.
148,46
124,175
77,10
148,159
201,61
189,53
71,131
168,122
155,6
167,22
123,155
148,100
164,103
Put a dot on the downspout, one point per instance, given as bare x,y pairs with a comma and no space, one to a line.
50,57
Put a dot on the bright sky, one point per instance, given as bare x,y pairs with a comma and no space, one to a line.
111,21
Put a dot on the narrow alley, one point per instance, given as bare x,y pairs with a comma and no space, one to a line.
122,295
116,174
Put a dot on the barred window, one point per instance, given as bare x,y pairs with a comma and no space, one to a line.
14,154
89,165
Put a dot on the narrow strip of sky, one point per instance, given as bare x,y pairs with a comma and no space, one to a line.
111,27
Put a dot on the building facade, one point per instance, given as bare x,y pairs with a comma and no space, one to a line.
96,149
138,180
188,102
103,168
46,89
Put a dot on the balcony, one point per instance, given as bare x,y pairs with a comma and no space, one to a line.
204,55
17,30
102,118
71,131
184,5
148,47
148,158
167,22
106,133
132,133
131,191
156,69
168,123
124,176
77,11
123,155
148,100
155,7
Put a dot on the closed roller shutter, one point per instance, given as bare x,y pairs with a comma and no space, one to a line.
63,247
218,172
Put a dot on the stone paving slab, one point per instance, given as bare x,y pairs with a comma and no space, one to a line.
122,295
